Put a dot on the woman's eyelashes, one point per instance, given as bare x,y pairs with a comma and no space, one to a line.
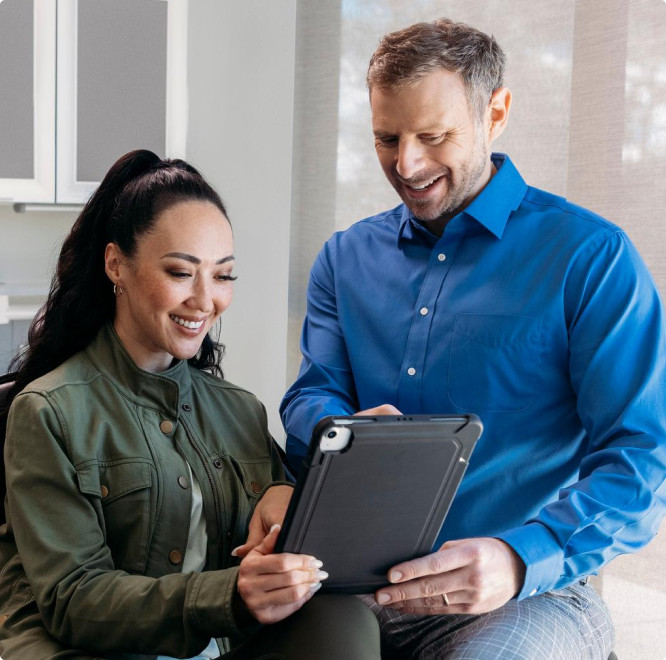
181,275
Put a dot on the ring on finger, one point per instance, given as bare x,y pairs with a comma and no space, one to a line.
445,600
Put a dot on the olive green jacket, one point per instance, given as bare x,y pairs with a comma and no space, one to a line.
99,505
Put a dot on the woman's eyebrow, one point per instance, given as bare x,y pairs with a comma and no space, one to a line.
196,260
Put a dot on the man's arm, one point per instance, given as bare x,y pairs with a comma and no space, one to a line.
325,383
617,348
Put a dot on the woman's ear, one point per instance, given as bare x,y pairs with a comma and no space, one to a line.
112,262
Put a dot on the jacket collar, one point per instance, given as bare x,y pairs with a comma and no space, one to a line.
491,208
162,390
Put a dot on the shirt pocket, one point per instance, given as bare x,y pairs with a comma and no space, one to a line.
495,362
124,489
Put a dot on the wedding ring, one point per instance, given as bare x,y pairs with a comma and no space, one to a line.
445,600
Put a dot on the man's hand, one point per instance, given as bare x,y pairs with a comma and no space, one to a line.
384,409
270,510
476,575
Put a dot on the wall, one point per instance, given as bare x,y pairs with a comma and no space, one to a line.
241,90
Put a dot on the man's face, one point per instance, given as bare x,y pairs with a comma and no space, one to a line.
431,146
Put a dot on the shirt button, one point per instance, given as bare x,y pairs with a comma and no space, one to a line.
186,407
423,311
533,592
105,491
256,487
441,256
411,371
175,556
166,426
183,482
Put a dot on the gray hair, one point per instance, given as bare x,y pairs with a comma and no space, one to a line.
404,57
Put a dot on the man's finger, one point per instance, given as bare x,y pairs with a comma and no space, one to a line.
442,561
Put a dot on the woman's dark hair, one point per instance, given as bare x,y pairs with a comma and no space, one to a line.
137,188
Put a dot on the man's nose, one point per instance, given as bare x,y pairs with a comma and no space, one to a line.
409,158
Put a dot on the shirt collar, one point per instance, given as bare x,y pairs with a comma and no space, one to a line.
493,205
160,390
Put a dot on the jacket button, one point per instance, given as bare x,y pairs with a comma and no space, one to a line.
166,426
183,482
175,556
256,487
105,491
186,407
218,463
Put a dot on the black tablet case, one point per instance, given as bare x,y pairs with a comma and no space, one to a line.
380,501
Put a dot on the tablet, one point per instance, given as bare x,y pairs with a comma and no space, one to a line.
374,491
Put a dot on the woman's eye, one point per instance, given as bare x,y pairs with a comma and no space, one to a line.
179,274
227,278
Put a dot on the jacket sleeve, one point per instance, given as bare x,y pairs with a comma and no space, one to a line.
617,365
325,383
84,601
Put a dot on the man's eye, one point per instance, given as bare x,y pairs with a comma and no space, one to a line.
387,141
434,139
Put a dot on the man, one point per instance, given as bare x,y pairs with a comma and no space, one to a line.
481,294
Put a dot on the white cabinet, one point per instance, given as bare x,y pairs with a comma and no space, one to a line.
27,100
98,78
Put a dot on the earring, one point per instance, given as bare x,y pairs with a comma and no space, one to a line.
117,290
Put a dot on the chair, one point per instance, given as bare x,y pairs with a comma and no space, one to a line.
6,383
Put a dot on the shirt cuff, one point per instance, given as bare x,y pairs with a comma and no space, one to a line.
542,555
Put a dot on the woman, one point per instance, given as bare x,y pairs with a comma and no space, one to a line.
133,470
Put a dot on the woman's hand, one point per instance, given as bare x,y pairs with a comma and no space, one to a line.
269,511
273,586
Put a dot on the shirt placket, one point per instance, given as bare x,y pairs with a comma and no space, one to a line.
412,371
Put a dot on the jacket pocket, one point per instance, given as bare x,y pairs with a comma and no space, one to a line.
252,475
495,362
124,489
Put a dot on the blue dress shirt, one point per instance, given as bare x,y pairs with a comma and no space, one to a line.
533,313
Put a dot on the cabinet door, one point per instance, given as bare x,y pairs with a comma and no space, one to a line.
121,86
27,101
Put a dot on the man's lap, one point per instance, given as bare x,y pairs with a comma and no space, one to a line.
566,624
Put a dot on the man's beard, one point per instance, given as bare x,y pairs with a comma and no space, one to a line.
457,196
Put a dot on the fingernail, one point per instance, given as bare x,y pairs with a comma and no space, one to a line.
395,576
274,527
321,575
234,552
383,598
315,587
315,563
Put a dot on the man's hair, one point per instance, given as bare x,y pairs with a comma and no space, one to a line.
404,57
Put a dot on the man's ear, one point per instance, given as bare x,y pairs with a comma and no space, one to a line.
498,111
112,262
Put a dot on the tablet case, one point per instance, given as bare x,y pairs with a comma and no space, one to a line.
380,500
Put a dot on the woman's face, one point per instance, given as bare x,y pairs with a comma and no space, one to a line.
175,286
